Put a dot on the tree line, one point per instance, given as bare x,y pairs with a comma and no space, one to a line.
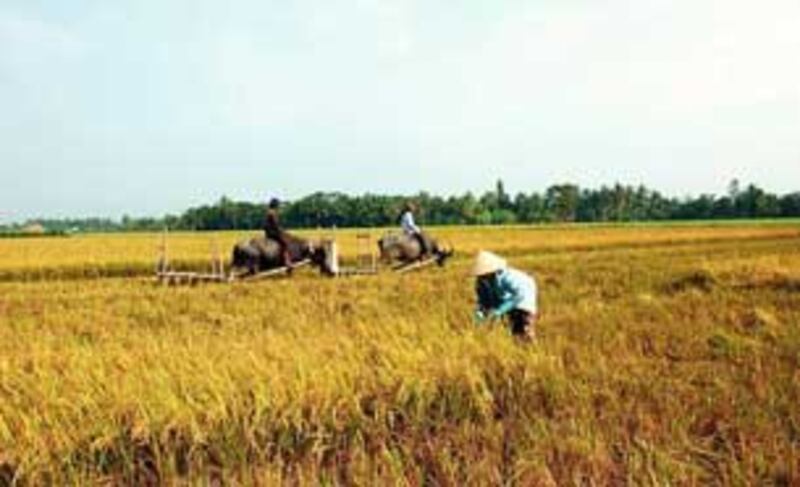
558,203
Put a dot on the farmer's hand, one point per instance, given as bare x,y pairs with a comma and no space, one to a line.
480,316
502,310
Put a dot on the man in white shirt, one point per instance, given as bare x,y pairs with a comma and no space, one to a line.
411,229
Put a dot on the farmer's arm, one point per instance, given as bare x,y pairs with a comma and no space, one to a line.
513,292
485,295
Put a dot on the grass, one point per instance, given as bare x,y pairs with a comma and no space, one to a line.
666,355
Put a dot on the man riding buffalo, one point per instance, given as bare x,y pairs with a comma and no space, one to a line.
411,229
262,254
279,249
274,231
412,245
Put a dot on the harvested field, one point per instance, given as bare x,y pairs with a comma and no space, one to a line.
666,354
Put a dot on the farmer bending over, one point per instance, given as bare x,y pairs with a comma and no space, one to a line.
274,231
411,229
504,291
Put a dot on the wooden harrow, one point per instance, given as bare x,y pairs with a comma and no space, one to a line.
366,258
166,275
366,262
280,271
414,266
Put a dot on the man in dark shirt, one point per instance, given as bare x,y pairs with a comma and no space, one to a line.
274,231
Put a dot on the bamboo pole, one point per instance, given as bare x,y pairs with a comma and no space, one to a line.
414,266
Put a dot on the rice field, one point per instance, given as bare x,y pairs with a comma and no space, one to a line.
665,355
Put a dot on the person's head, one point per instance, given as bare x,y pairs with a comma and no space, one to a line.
274,204
487,265
409,206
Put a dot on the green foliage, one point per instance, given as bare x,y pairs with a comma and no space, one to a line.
559,203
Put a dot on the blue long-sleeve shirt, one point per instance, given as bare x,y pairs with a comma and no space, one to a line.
507,290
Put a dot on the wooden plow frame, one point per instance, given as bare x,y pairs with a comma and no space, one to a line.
414,266
166,275
280,271
366,258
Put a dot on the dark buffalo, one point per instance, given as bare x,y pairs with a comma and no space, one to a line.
261,254
406,249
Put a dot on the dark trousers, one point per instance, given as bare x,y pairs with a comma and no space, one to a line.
423,244
282,244
522,324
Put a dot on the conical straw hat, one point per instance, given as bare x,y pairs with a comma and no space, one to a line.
488,263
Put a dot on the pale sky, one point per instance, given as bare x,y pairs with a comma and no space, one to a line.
150,106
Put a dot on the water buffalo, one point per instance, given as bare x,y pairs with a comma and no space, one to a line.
406,249
261,254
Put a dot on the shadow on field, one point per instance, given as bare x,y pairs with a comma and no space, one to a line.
774,282
704,281
700,280
8,474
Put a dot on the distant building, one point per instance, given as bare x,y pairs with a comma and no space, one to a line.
34,229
